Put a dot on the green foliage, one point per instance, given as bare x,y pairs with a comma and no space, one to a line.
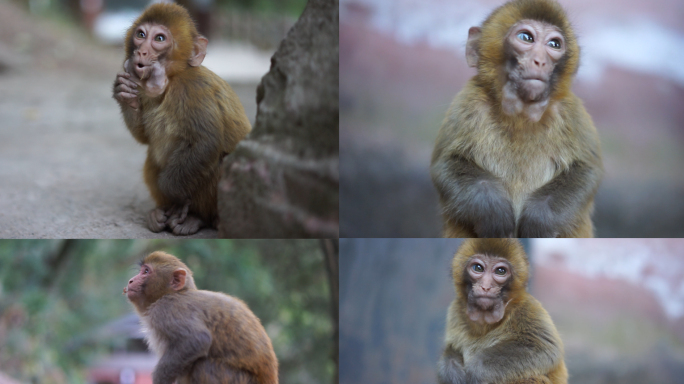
56,294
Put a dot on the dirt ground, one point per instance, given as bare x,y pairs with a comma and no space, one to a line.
69,168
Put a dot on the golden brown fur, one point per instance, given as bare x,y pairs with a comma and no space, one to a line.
189,127
520,155
201,336
524,347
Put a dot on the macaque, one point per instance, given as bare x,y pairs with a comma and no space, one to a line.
496,332
202,337
517,154
188,116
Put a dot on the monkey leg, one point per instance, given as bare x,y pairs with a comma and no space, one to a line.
156,220
209,370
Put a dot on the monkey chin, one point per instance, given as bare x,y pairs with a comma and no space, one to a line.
486,310
532,90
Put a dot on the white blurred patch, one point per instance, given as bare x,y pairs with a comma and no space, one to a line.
110,27
636,44
234,62
654,264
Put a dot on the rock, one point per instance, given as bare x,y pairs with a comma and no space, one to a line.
283,179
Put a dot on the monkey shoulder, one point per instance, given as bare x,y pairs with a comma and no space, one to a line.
467,122
528,322
576,128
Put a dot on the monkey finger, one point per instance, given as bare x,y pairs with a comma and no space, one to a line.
129,83
184,212
124,88
126,95
191,225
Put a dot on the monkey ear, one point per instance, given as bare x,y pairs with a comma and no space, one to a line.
178,279
472,46
199,50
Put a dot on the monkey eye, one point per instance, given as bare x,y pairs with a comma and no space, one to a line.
525,36
160,38
555,44
140,34
500,271
478,268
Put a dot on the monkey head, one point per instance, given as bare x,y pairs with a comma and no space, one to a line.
488,274
526,55
162,42
160,274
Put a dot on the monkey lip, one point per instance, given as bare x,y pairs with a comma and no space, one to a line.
143,70
485,301
534,79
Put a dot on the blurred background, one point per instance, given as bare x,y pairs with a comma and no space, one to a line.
403,61
617,304
69,168
64,319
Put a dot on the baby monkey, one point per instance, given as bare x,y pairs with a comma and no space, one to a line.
188,116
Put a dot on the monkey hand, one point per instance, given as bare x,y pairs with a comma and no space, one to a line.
538,219
126,90
156,220
492,213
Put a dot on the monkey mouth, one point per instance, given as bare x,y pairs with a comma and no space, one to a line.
486,302
534,80
143,70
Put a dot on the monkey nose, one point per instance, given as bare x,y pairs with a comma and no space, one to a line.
130,281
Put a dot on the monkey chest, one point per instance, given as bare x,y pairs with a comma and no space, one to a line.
522,167
163,135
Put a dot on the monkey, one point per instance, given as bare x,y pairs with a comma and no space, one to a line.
188,117
496,332
517,154
200,336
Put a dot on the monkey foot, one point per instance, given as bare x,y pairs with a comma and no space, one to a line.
156,220
190,225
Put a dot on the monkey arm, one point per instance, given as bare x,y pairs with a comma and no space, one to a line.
133,121
188,341
555,205
126,94
450,367
514,360
473,197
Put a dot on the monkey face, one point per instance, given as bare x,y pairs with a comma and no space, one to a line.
534,48
488,277
135,290
152,42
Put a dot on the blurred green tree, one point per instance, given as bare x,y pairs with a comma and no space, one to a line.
56,294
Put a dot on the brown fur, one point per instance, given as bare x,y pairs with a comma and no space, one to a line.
520,155
201,336
524,347
189,128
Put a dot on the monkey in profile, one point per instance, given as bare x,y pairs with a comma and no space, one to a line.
202,337
188,116
517,154
496,332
